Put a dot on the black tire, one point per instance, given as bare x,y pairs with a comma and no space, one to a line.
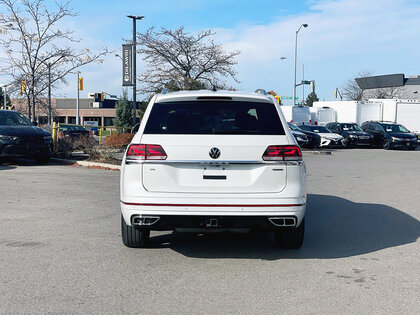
387,144
290,238
132,237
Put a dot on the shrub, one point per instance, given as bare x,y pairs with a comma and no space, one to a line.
85,142
64,148
119,140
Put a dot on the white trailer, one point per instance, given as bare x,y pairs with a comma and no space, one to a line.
298,114
403,111
354,111
323,115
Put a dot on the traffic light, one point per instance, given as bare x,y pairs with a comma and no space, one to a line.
80,84
313,86
102,96
22,87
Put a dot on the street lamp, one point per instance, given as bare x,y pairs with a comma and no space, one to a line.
134,18
78,99
294,82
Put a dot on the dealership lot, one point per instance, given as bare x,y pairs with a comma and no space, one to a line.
61,249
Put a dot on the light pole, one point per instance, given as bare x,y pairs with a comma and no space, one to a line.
134,18
77,102
294,82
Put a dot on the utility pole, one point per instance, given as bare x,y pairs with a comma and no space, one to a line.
294,82
77,102
134,18
49,95
303,85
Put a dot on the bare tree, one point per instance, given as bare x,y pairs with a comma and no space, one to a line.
182,61
351,90
38,50
387,92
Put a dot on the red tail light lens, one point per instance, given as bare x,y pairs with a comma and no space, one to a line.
316,123
146,152
282,153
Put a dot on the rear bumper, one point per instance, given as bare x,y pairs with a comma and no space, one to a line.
195,216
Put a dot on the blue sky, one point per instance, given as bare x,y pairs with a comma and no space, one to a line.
344,37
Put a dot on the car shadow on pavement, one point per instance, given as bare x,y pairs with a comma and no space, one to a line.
4,167
335,228
24,162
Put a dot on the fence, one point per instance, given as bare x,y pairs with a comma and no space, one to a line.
101,132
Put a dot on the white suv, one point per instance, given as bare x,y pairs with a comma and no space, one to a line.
208,160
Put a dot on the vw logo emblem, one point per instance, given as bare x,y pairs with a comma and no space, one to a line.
214,153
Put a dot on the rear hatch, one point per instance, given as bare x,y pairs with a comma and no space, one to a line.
214,147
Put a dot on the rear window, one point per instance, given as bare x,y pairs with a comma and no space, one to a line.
214,117
71,128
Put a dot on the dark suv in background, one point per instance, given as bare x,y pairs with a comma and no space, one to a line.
354,135
390,135
19,138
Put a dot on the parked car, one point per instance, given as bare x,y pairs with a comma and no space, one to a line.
314,140
206,161
19,138
390,135
328,138
300,137
72,131
353,134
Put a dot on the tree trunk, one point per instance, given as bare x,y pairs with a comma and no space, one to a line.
29,107
33,106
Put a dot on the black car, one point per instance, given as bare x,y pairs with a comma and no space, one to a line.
20,138
314,140
354,135
390,135
73,131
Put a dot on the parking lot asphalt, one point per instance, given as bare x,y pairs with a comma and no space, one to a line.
61,249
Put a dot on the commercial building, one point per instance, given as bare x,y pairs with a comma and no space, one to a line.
64,110
391,86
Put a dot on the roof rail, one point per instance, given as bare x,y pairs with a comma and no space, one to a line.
261,91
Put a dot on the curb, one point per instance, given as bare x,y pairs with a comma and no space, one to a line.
89,164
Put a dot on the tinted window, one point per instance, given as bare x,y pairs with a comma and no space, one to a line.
395,128
350,127
13,118
214,117
377,128
71,128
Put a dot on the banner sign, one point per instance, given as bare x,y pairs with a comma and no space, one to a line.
127,65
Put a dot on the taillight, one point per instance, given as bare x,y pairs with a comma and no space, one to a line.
146,152
282,153
316,123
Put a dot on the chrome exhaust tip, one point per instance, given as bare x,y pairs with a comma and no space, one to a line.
144,220
283,221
